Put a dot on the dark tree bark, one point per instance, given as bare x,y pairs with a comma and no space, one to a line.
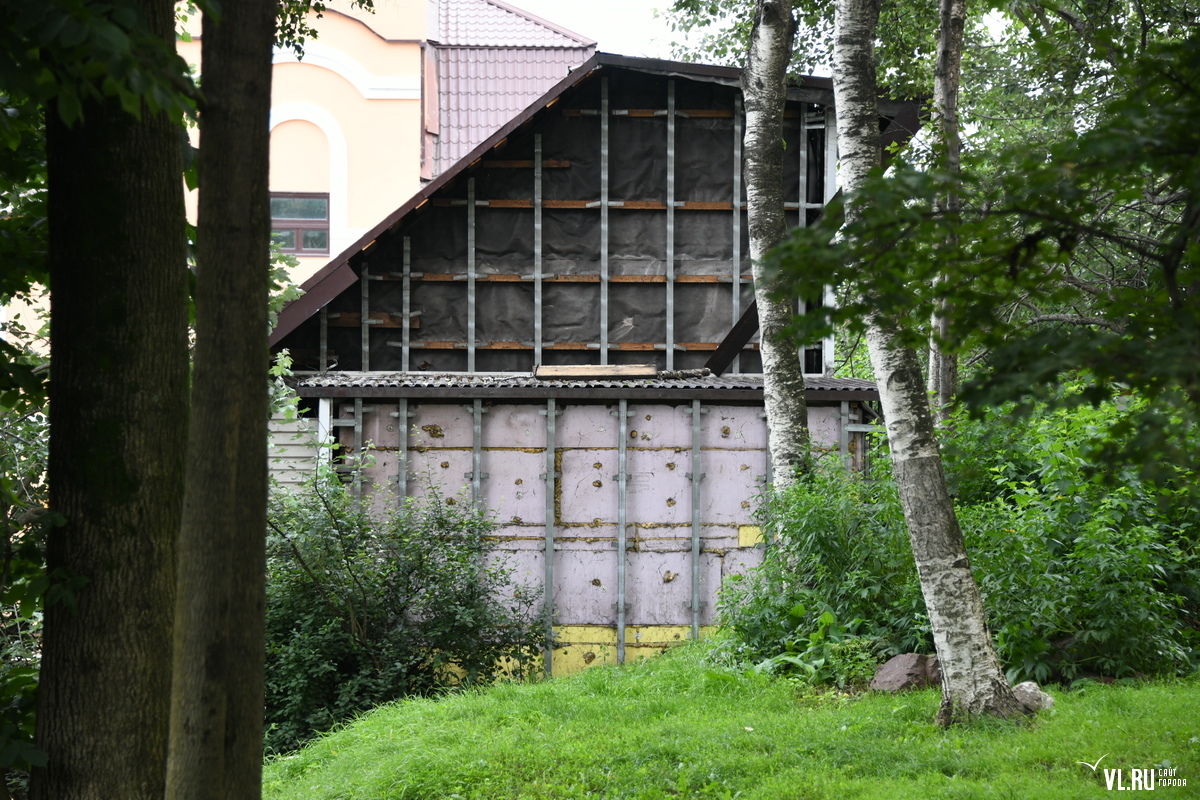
118,394
972,680
764,87
217,696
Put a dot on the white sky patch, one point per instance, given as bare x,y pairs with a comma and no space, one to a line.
627,27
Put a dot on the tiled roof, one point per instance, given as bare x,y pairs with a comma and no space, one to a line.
482,88
489,23
510,380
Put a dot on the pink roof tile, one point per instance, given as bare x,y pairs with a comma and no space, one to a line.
493,60
490,23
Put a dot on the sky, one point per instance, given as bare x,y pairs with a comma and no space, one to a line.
627,27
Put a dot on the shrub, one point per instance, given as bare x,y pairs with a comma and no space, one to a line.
1082,573
837,550
363,610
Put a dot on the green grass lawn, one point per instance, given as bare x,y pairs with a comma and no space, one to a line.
674,727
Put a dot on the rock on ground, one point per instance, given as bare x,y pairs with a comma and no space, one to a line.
907,671
1030,695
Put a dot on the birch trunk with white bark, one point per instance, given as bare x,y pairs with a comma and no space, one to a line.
764,87
943,365
973,682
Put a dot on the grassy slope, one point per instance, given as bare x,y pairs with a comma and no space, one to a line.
673,728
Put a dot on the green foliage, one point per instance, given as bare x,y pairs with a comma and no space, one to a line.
1078,253
86,51
905,46
1081,575
837,550
364,609
23,580
291,25
831,654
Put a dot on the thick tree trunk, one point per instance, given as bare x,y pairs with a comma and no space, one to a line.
764,86
943,365
217,696
119,413
972,680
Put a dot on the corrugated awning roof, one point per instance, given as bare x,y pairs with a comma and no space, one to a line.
455,385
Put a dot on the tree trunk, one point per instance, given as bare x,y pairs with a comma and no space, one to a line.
972,680
118,400
764,86
943,365
217,696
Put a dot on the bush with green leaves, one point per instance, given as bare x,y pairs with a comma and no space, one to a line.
365,608
838,567
1084,571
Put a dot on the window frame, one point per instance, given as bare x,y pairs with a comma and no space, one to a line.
297,226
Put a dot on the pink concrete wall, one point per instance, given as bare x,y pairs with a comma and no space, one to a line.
658,441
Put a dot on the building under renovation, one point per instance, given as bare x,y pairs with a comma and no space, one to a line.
559,329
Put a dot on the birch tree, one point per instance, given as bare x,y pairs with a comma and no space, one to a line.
947,71
764,87
973,682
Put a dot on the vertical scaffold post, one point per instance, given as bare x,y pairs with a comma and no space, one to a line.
670,279
364,316
402,415
736,266
470,275
802,222
537,250
844,436
696,477
406,306
622,485
323,354
357,484
550,478
476,474
604,220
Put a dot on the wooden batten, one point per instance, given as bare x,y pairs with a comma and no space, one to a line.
590,371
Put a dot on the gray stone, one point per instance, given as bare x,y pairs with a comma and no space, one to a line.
1030,695
907,671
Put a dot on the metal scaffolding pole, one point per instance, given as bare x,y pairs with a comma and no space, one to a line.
622,413
550,477
670,279
604,220
696,476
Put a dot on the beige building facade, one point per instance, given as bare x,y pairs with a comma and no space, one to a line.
378,102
